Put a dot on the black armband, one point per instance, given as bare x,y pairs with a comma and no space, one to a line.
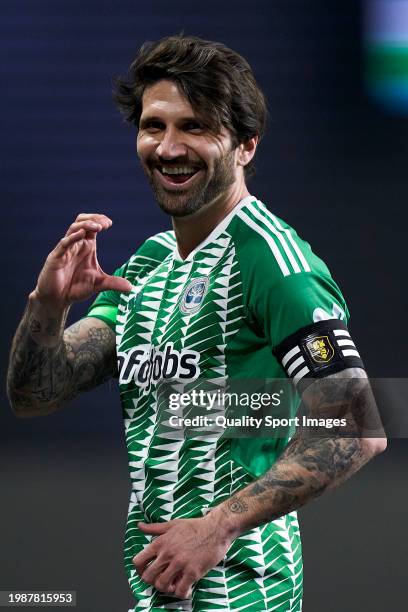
318,350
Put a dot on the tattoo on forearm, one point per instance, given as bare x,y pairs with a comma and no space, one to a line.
42,376
34,325
236,505
313,462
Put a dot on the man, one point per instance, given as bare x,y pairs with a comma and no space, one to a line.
231,293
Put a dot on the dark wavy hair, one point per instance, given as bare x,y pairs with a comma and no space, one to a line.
218,83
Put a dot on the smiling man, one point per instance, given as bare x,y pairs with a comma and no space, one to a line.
231,293
188,173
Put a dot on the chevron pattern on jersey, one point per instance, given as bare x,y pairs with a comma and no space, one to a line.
173,476
184,327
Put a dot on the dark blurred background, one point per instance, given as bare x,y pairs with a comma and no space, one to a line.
333,165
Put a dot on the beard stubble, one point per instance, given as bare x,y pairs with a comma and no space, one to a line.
182,204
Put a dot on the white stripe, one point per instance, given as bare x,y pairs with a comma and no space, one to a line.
301,374
290,237
281,238
135,260
346,343
289,355
284,268
168,238
295,365
162,242
341,332
350,353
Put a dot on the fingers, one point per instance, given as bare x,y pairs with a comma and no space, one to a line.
113,283
169,577
155,528
89,225
159,566
103,220
165,581
155,569
80,229
67,242
91,222
142,559
183,587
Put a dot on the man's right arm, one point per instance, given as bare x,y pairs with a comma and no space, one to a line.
49,366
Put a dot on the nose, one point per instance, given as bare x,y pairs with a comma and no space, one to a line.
171,145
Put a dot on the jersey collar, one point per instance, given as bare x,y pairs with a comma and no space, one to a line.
218,229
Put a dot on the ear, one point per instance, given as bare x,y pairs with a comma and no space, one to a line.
246,151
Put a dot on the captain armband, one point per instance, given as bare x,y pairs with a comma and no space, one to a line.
317,350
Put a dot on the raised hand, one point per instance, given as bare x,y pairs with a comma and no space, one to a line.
71,272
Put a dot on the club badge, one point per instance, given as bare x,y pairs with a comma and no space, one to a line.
193,295
320,349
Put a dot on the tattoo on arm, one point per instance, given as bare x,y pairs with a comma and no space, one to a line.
45,372
312,461
236,505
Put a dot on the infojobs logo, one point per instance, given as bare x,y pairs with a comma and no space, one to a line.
147,364
193,295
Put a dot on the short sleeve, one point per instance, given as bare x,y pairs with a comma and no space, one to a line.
286,285
105,305
286,305
304,320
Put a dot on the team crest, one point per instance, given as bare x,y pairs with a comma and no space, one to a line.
320,349
194,294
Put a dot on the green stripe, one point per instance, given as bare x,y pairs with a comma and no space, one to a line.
107,314
386,62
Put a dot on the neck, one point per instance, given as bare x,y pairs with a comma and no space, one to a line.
190,231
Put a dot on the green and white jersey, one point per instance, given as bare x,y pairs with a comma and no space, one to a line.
216,315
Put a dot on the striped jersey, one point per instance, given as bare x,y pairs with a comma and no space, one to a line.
216,315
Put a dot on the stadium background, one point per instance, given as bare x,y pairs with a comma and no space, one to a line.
333,164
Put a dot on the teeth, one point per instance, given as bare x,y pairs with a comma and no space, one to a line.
180,170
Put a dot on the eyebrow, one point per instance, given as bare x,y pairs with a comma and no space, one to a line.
145,120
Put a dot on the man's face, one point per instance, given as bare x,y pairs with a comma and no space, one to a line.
187,166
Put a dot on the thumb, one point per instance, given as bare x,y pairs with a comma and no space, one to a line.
154,528
114,283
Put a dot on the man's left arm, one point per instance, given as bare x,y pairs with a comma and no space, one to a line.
186,549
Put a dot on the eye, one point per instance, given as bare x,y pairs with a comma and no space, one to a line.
193,126
152,126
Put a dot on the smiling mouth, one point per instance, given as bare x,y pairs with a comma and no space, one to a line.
175,176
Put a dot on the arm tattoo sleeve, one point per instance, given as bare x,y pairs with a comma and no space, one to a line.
47,369
313,462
